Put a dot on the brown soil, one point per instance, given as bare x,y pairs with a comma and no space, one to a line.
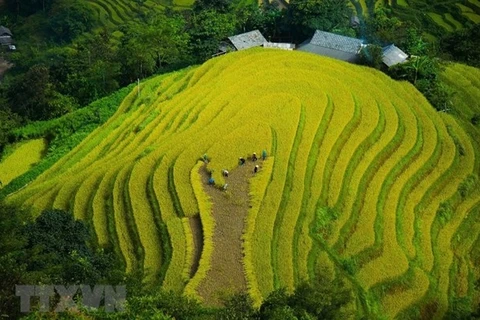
196,226
226,275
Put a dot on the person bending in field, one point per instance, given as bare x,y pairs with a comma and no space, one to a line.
211,181
255,170
225,187
225,173
254,157
241,161
264,154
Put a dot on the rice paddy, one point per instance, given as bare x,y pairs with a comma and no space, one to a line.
20,159
363,177
436,17
112,14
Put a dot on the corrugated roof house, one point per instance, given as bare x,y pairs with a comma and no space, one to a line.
5,31
5,36
279,45
333,45
392,55
354,21
248,40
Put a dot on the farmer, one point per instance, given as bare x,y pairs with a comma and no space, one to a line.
264,154
225,172
225,187
241,160
254,157
211,181
255,170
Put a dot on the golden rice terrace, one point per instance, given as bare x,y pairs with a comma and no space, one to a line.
363,178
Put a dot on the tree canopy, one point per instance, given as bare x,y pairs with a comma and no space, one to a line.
326,15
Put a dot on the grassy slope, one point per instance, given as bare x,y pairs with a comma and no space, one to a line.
360,162
21,159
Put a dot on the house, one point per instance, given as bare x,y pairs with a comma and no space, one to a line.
279,45
247,40
354,21
223,48
333,45
5,36
392,55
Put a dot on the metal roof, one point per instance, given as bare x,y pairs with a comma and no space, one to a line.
279,45
247,40
332,53
354,20
392,55
336,42
5,40
5,31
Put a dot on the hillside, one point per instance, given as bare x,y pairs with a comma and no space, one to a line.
436,17
363,179
24,156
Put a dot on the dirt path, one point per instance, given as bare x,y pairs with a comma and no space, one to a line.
226,275
196,226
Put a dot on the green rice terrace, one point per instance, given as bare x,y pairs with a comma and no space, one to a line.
363,179
112,13
450,15
447,15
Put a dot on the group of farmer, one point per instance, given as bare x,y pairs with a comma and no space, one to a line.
241,162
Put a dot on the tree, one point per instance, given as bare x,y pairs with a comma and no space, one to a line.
221,6
12,268
414,43
463,45
322,298
8,121
383,28
268,18
53,249
160,304
93,69
423,67
29,94
59,250
68,19
423,72
28,7
237,307
148,46
276,306
372,55
207,29
308,15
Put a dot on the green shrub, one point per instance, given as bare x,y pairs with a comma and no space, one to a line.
476,119
468,185
445,212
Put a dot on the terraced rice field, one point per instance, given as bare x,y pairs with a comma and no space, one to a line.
363,178
112,13
21,159
470,12
437,16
